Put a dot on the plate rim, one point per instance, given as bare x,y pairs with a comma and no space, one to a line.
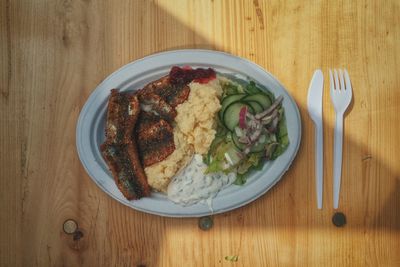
125,202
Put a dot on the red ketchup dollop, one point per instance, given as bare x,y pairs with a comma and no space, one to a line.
185,75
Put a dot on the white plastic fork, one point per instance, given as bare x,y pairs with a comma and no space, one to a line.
341,95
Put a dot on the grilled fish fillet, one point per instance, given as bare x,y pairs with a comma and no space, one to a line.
126,169
122,114
158,100
155,140
173,94
119,150
155,104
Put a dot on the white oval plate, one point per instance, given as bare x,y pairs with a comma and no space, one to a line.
90,130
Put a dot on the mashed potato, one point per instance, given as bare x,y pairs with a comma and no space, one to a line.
193,133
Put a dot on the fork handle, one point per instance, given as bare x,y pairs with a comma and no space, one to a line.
337,159
319,159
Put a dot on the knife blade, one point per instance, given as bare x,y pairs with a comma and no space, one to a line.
314,104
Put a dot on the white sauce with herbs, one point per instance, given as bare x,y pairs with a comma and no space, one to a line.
191,185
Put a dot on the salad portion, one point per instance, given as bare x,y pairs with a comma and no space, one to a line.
251,130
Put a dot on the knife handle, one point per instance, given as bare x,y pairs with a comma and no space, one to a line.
319,158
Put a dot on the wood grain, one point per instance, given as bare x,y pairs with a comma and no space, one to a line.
54,53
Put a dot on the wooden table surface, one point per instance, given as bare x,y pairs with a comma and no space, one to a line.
54,53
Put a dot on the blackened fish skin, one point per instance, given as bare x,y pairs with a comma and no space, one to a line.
156,141
119,150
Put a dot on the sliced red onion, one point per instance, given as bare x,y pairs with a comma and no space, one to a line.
274,125
267,119
250,116
242,117
274,105
252,124
244,139
255,135
240,155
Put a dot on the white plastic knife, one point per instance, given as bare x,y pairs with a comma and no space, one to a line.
314,104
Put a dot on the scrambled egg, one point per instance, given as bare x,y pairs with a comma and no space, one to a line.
196,116
193,133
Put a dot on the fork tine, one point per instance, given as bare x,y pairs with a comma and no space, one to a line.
331,80
336,80
347,80
341,79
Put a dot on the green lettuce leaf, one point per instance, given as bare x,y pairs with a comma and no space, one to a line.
282,137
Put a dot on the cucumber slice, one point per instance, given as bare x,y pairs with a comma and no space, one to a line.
228,100
231,114
236,142
255,105
260,146
262,99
